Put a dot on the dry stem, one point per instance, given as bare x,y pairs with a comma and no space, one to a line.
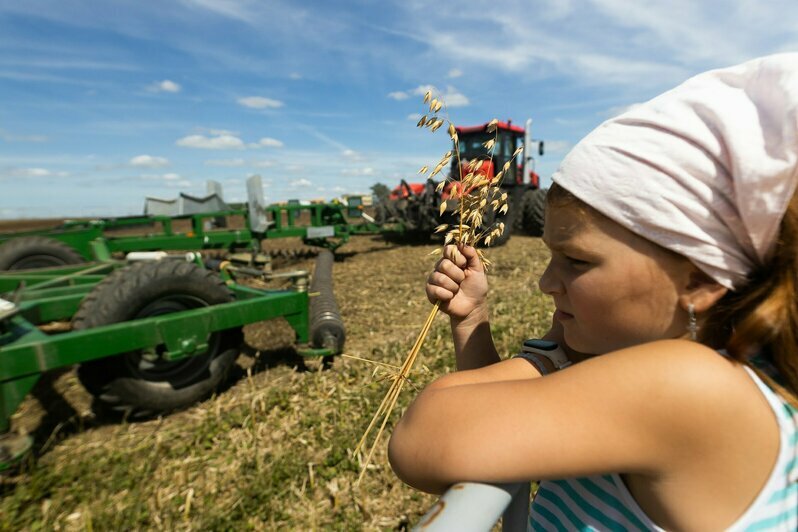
475,192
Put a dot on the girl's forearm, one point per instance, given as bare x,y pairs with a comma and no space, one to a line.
473,342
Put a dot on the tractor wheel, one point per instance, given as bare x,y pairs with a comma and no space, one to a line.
533,211
29,252
142,383
491,217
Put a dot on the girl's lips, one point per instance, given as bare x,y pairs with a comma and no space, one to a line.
560,315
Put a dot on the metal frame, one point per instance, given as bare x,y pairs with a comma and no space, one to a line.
329,228
475,507
55,294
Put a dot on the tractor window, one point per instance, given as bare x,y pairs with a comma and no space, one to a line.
471,146
508,145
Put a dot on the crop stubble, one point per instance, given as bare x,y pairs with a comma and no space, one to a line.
273,449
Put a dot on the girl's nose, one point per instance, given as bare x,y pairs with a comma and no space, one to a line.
548,282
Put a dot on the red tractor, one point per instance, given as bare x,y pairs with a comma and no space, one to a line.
416,206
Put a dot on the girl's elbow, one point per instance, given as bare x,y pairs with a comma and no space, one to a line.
403,452
414,455
397,454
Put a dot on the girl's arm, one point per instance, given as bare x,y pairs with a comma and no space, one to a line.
647,410
458,283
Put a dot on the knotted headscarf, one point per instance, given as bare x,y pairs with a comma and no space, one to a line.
706,170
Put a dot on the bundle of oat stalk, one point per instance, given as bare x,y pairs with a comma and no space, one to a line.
472,196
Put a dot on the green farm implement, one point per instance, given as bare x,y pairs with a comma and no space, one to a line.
325,225
148,337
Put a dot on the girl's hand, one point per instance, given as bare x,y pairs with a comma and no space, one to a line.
459,283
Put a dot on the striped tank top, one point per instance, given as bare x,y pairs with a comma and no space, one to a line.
604,503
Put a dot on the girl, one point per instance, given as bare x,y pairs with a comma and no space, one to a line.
673,232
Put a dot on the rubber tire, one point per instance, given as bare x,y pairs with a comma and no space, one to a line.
31,252
488,220
120,383
533,211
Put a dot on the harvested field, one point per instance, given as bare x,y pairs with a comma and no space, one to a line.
273,450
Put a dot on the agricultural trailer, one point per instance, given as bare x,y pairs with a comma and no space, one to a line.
416,206
326,225
150,336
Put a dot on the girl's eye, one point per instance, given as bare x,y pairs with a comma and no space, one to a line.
576,262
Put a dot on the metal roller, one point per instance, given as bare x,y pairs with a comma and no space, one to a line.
326,325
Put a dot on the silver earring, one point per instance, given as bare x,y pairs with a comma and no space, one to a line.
692,323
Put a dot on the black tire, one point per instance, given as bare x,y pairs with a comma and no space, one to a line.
30,252
533,211
140,384
490,218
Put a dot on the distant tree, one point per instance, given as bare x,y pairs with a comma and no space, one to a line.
380,191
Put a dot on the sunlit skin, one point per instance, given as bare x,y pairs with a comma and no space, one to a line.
611,288
653,407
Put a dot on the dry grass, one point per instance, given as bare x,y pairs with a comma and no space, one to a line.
274,450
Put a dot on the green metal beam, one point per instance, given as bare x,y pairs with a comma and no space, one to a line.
34,353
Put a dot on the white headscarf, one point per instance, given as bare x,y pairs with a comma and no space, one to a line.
706,170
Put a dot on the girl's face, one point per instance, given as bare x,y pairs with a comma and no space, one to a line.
612,288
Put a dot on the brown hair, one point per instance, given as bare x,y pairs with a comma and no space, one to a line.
760,317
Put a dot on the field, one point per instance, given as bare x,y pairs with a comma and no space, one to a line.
273,449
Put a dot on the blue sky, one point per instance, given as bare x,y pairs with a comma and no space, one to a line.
105,102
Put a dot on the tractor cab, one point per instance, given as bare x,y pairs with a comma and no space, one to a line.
508,138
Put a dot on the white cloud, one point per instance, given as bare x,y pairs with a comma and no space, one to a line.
294,75
415,117
270,142
300,183
171,176
225,162
263,164
220,142
455,73
618,110
398,95
452,97
220,132
356,172
555,147
32,172
165,86
11,137
148,161
259,102
352,155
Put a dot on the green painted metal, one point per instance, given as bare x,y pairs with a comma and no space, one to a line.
26,352
328,227
11,395
33,353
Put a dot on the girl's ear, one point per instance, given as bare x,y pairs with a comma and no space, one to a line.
702,291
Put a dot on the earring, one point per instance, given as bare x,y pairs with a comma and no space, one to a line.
692,323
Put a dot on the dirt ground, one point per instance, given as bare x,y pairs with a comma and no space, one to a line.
273,449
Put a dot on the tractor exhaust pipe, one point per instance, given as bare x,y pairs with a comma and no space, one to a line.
326,325
528,158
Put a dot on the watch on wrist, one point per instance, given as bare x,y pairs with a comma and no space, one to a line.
534,348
